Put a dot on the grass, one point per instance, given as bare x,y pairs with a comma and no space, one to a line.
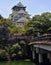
17,63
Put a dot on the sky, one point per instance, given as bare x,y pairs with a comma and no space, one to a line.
33,7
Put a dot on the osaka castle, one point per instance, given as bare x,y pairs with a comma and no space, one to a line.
19,14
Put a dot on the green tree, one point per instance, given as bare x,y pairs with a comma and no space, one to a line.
29,30
44,22
8,51
2,54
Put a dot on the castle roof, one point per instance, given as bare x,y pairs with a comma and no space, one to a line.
22,19
22,11
20,5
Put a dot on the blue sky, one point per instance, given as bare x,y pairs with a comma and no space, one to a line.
33,6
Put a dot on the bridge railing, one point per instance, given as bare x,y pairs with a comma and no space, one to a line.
45,39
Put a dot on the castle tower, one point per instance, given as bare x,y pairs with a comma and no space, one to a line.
19,14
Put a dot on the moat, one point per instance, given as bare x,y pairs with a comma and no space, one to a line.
17,63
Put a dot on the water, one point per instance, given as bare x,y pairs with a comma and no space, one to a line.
17,63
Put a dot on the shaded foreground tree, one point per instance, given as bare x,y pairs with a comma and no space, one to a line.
17,51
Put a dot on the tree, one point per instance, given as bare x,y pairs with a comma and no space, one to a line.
16,48
29,30
44,22
2,55
1,17
8,52
13,30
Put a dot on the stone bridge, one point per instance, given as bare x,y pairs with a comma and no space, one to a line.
41,50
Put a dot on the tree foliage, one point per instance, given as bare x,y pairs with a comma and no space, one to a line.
39,24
